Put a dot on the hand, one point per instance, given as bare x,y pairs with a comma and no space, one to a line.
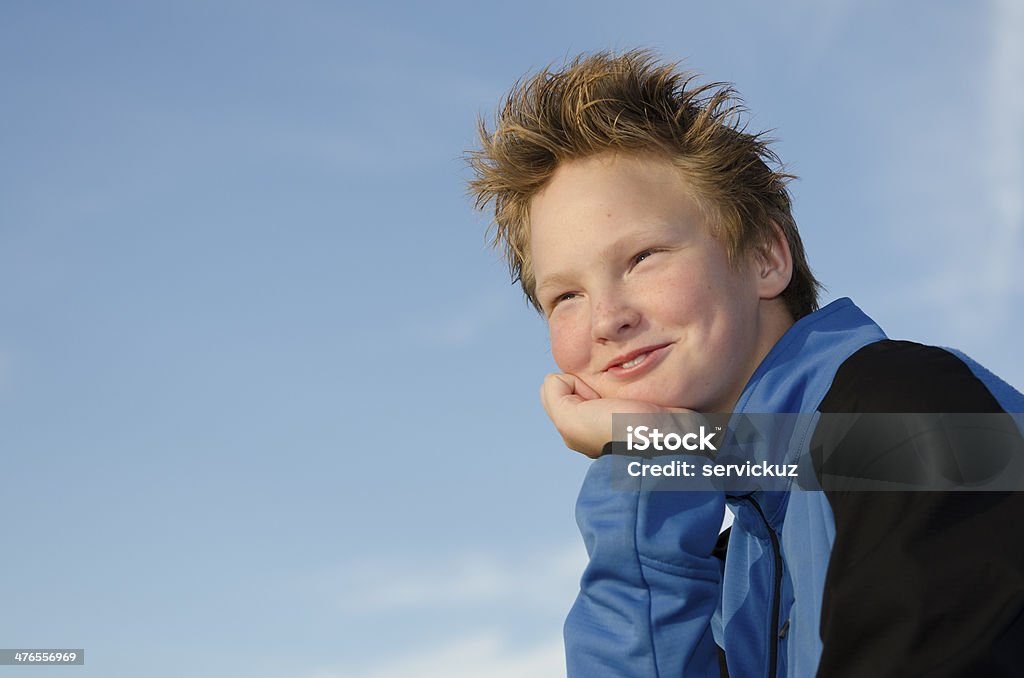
583,418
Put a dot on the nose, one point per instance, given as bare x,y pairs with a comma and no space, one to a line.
613,318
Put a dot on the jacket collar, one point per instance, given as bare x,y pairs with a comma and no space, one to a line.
794,378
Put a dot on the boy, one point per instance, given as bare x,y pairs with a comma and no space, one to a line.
653,234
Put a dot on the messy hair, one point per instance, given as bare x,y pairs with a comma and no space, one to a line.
633,103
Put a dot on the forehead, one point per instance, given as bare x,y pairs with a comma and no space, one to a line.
610,180
606,197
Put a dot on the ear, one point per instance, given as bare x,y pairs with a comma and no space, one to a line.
773,263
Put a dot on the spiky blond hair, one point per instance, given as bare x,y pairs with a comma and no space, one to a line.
631,102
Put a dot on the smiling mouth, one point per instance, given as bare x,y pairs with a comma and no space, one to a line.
635,361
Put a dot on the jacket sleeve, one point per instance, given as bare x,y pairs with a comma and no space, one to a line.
925,584
919,583
652,584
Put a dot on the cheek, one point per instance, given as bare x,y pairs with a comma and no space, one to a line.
676,301
570,346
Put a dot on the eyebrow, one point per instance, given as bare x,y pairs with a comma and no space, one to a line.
556,280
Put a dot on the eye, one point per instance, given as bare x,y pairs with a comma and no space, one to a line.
640,256
558,299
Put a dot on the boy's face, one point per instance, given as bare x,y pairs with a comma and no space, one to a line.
641,299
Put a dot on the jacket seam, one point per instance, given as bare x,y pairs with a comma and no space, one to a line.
647,586
677,570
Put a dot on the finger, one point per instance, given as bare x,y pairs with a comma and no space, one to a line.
565,383
553,389
679,410
583,389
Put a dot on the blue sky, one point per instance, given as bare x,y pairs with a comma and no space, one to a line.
268,403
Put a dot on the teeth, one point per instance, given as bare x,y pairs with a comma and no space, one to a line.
634,362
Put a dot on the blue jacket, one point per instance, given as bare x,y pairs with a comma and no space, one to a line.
654,599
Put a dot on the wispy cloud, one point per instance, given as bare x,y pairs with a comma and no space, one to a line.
468,321
1006,146
5,370
973,228
479,655
469,587
821,23
546,580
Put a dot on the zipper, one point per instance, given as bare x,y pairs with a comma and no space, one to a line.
773,637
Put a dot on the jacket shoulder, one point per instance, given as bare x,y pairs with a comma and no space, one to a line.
903,376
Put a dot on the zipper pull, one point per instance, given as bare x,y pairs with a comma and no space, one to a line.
782,631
